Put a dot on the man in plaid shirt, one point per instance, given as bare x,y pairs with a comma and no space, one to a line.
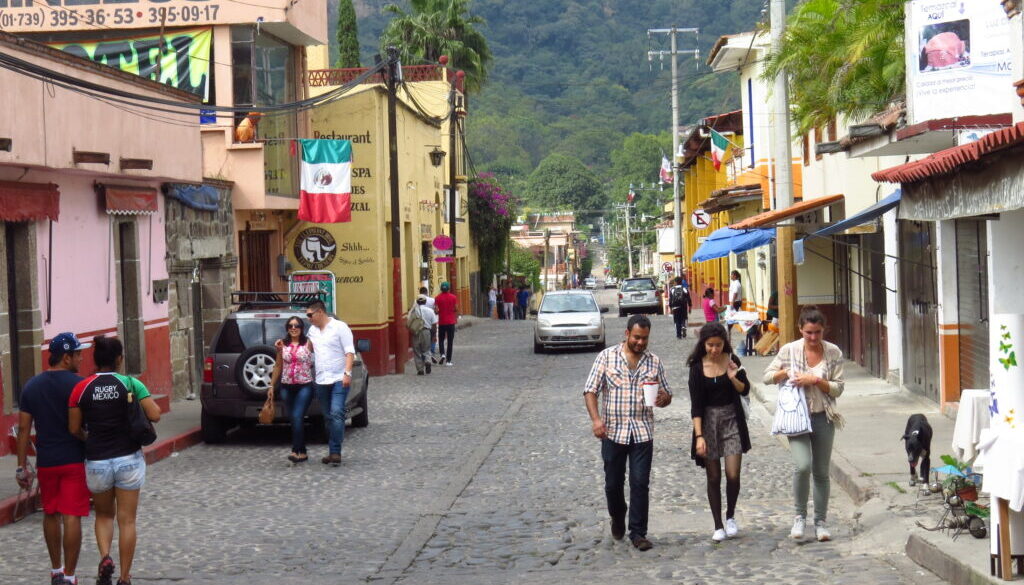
627,428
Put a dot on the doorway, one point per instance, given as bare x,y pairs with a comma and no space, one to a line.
920,307
129,296
254,259
19,265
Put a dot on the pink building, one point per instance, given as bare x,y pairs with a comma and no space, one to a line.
82,217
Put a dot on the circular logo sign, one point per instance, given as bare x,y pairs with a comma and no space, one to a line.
442,242
667,267
315,248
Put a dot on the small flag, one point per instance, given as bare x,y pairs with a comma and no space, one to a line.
326,188
666,170
718,145
630,196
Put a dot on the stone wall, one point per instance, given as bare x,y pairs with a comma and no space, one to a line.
201,262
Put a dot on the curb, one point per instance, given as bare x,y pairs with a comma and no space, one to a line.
946,566
153,453
841,469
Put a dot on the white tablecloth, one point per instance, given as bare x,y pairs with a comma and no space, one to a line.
971,418
745,319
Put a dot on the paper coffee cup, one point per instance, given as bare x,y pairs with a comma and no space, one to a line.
650,393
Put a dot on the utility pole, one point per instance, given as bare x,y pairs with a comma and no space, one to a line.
453,190
629,245
785,231
674,52
398,340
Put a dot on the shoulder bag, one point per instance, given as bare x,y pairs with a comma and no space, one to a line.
140,428
791,415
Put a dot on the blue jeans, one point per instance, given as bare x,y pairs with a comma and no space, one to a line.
616,457
296,400
332,399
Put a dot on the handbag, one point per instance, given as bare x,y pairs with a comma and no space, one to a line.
140,428
791,415
266,415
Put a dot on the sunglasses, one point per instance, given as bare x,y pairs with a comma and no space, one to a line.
294,326
310,315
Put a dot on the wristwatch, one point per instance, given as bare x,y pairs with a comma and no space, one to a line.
349,374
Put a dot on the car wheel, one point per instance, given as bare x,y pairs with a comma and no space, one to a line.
538,348
254,369
214,429
362,419
601,345
622,313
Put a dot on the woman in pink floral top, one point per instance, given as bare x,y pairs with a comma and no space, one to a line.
294,370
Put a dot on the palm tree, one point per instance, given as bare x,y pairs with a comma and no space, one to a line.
440,27
842,57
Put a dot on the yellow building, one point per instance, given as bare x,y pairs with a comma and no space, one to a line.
361,253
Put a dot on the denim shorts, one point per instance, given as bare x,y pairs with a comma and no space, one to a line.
127,473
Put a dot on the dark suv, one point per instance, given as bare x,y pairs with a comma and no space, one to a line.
237,371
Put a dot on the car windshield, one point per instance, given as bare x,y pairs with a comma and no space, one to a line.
569,304
643,284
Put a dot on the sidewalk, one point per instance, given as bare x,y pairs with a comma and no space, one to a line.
176,431
869,462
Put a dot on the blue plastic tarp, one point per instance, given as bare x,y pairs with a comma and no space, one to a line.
863,217
725,240
202,197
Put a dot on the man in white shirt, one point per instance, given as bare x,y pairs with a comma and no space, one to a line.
421,338
735,291
334,353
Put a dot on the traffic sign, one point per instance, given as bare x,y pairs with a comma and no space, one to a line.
667,267
700,219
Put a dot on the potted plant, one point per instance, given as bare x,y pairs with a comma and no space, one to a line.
959,480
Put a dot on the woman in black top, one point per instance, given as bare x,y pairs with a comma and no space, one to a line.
719,426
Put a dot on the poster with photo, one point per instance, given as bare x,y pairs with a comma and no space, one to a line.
959,60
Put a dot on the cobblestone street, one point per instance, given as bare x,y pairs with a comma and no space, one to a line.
481,473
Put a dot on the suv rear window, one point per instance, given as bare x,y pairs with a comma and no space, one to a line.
640,284
239,334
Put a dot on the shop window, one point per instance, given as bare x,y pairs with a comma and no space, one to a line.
263,70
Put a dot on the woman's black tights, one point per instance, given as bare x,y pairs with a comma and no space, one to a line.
732,486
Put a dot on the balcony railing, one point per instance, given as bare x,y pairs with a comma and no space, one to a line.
330,77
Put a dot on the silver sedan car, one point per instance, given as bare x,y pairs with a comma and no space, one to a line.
569,318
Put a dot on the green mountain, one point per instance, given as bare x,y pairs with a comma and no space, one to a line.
573,76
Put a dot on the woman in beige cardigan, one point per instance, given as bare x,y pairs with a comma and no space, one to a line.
816,366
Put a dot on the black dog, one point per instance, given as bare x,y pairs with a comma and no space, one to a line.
918,438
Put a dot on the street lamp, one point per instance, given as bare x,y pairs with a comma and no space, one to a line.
437,156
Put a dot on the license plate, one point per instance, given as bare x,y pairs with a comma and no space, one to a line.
639,297
569,332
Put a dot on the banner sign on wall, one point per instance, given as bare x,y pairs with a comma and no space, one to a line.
180,59
959,59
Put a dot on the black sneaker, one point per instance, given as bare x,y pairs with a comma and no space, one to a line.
120,582
105,572
57,579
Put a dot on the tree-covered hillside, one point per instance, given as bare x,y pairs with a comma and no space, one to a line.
572,77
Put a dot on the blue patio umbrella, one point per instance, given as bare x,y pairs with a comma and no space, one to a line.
725,240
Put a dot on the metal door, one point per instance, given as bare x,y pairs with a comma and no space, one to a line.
873,340
919,300
972,302
839,330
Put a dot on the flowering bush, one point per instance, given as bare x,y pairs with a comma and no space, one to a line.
491,209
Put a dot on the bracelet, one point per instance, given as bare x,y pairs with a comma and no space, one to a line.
700,436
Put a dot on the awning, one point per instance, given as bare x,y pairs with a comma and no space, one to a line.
28,201
725,240
771,218
128,200
863,217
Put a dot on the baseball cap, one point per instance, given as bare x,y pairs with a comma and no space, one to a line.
445,286
423,298
66,342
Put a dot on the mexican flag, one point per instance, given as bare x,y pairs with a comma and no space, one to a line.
666,170
325,194
718,145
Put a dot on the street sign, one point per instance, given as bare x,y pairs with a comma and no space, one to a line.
319,282
667,267
702,239
700,219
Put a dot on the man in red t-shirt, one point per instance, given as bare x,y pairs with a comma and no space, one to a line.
508,299
447,306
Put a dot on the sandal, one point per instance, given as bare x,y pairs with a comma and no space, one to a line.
298,458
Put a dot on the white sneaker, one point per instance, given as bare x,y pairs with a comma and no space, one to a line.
821,531
448,364
718,536
731,529
798,528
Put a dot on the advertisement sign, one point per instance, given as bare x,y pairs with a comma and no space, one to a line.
314,282
180,58
959,59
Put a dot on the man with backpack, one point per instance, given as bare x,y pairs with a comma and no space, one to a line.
679,302
420,322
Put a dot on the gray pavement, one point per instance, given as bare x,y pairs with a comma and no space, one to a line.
480,473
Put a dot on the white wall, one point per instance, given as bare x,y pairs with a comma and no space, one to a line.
1006,263
893,317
